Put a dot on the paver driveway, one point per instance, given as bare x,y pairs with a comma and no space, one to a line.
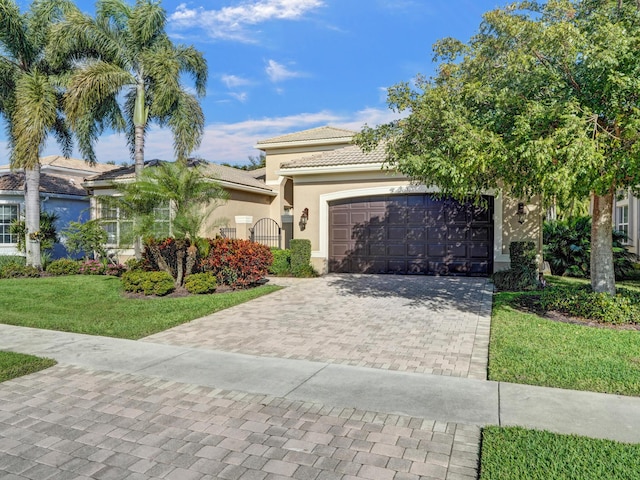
437,325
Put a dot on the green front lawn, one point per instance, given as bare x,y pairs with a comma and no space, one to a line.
515,453
13,365
526,348
95,305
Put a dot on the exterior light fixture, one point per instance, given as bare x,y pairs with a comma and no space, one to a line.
521,212
304,218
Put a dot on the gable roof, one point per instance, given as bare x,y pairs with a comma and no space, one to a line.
14,181
351,155
320,135
73,166
227,176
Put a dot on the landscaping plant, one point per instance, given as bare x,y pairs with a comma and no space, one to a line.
201,283
523,274
148,283
64,266
237,263
301,258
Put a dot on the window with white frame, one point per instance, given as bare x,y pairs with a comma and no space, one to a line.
8,213
622,219
119,226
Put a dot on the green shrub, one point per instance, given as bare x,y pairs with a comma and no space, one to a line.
581,301
17,270
135,264
567,248
281,265
115,269
91,267
148,283
523,274
301,258
200,283
5,259
237,263
63,266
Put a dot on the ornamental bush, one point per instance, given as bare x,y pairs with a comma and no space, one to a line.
201,283
281,265
91,267
237,263
523,274
17,270
581,301
148,283
301,258
115,269
63,266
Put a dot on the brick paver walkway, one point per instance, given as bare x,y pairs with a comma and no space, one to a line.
420,324
70,423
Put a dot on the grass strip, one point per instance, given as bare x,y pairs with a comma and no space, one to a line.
514,453
13,365
95,305
526,348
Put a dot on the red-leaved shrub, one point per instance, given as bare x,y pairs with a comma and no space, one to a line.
238,263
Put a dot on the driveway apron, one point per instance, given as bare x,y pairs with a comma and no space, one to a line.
435,325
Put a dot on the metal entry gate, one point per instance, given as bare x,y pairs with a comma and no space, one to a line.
267,232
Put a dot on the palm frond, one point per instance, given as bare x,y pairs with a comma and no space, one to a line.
35,114
14,38
193,62
93,84
42,15
147,22
63,136
116,12
187,124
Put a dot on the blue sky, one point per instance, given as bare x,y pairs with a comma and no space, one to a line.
278,66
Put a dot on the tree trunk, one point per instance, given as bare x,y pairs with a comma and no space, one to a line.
139,166
602,272
181,253
32,215
192,257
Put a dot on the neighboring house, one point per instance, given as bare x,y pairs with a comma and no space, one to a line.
249,201
61,192
626,218
360,217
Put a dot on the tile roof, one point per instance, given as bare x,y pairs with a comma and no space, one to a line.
48,184
314,134
351,155
59,161
220,172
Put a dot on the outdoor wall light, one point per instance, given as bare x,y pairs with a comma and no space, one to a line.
521,212
304,218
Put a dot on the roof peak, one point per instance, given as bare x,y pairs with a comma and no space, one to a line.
317,134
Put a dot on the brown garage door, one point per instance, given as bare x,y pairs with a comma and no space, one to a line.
415,234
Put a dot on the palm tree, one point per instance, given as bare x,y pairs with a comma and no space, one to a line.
31,99
125,53
190,192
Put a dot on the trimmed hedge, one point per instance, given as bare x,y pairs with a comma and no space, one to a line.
17,270
148,283
281,265
237,263
201,283
63,266
581,301
523,274
301,258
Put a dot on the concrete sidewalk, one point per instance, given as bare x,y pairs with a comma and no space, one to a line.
440,398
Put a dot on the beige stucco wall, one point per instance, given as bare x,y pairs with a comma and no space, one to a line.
315,191
251,206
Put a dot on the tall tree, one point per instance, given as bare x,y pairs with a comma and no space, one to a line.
125,53
545,99
31,100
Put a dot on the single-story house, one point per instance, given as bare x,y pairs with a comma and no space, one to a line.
61,192
360,217
249,202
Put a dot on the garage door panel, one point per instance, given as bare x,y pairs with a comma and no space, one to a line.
415,234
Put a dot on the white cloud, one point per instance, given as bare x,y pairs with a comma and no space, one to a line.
242,97
230,22
278,72
233,81
234,142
